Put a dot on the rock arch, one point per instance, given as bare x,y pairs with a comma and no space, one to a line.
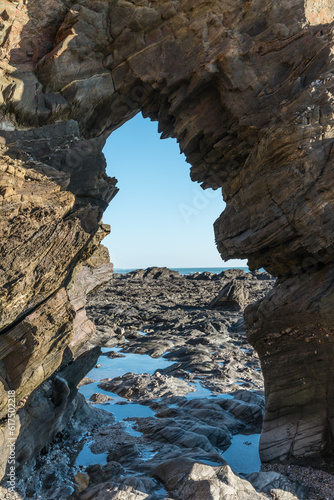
246,88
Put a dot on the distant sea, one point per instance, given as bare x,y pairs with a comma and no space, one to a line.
190,270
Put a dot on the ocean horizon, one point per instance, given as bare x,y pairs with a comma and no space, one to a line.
188,270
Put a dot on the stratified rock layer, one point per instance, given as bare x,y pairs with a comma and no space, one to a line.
50,259
296,352
246,88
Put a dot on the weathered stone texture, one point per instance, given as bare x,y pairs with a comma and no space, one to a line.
53,193
246,88
242,87
234,296
292,330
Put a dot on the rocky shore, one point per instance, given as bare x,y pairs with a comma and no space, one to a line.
174,405
246,90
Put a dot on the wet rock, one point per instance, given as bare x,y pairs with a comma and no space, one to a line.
216,412
251,397
154,273
100,474
60,492
85,381
145,386
198,339
189,479
100,398
202,276
193,434
249,414
123,453
192,358
113,354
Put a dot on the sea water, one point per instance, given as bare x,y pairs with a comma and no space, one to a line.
190,270
242,455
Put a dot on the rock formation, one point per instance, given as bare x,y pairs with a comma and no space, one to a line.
232,297
246,88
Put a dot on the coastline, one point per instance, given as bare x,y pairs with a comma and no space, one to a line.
175,389
184,270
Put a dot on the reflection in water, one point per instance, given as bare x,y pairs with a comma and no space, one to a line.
243,454
134,363
86,457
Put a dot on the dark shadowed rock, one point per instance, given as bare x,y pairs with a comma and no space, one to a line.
202,276
154,273
277,486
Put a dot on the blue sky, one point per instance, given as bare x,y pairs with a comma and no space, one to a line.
159,217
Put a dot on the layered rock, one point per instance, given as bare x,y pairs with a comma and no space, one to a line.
246,88
50,235
233,296
296,352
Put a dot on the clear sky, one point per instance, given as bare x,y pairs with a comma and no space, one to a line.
159,217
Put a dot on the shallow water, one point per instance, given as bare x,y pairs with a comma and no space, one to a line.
243,454
120,407
208,462
161,492
86,457
223,396
134,363
116,367
200,391
203,392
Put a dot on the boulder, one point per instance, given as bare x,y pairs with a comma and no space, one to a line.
233,297
186,479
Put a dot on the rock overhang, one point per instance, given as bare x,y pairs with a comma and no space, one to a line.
245,87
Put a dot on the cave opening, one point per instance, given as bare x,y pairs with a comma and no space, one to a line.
159,217
248,93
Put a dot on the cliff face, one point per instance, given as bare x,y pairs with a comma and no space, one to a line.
246,88
50,259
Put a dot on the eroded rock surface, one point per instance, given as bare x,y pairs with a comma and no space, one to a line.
188,479
51,259
196,417
246,88
174,313
192,411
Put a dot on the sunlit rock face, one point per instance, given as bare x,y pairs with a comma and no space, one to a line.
319,11
246,88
